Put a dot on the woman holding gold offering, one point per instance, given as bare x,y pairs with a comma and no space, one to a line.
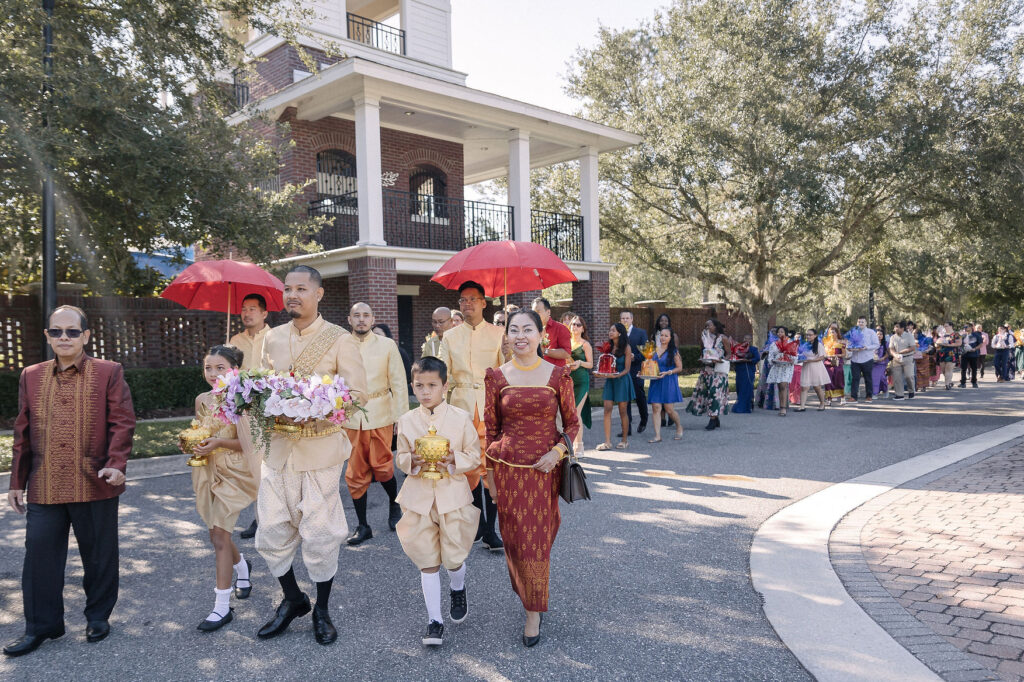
664,391
524,450
224,486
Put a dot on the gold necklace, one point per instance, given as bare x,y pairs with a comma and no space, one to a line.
527,369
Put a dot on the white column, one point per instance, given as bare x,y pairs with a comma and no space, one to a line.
371,202
588,205
519,183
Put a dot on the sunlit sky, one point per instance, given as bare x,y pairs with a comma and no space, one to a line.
520,49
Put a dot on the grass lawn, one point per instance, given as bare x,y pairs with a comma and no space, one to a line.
152,439
687,382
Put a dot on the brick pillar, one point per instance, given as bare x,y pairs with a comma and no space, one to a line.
524,299
590,300
373,280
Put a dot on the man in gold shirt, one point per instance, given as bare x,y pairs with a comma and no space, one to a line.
250,342
468,350
441,321
299,501
370,432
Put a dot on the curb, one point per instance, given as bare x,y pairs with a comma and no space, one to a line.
804,599
138,469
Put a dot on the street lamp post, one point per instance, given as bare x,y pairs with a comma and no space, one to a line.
49,288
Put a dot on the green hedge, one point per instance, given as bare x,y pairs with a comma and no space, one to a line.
690,356
152,389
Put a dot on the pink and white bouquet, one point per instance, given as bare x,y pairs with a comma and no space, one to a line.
269,397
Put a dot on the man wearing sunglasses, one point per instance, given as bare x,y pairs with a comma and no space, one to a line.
72,438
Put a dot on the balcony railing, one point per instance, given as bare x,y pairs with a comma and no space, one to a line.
376,34
425,221
560,232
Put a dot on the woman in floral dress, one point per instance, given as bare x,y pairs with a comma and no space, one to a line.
711,395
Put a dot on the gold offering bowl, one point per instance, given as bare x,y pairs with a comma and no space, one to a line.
189,439
286,425
432,448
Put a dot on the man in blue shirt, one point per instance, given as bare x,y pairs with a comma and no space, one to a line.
862,359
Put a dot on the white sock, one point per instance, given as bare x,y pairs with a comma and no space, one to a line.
222,605
458,578
242,570
431,583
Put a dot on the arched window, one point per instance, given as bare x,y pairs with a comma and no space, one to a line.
335,173
429,187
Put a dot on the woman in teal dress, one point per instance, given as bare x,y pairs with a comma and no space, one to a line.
618,387
664,391
580,366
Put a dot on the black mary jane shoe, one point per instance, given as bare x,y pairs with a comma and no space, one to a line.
97,631
394,515
360,535
26,644
243,592
323,628
211,625
286,612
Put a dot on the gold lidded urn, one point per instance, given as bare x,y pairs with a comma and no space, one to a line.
190,438
432,448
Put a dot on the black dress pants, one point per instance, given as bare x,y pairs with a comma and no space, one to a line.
968,362
857,370
46,555
641,399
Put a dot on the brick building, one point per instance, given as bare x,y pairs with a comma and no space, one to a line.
391,135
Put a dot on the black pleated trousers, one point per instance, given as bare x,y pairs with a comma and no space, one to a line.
46,555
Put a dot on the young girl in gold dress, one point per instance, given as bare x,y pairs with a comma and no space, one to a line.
225,486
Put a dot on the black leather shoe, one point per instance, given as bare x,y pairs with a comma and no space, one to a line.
26,644
360,535
249,532
394,515
97,630
492,541
243,592
286,612
323,628
211,625
640,429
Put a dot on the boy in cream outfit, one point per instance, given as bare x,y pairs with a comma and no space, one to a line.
439,520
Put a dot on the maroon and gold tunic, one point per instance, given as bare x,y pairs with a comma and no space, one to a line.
71,424
522,428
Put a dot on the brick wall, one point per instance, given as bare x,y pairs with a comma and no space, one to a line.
274,71
372,280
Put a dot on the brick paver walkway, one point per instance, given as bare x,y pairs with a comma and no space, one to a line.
952,554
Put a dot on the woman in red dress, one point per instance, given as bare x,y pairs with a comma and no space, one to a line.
524,454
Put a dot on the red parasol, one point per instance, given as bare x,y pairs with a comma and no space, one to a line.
221,285
505,267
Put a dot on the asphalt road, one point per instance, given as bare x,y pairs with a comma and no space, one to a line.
649,580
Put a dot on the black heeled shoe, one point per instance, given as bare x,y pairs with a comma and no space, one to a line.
211,625
533,641
243,592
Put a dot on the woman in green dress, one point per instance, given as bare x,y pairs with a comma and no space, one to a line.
581,364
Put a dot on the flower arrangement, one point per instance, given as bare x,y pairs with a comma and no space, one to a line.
856,338
268,397
739,352
802,350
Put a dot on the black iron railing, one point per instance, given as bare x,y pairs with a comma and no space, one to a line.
426,221
376,34
560,232
344,228
241,90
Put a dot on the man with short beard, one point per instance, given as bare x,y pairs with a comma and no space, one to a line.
370,432
441,321
299,501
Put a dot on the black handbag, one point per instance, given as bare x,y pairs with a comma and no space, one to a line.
573,486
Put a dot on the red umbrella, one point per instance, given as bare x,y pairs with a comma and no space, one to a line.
505,267
221,285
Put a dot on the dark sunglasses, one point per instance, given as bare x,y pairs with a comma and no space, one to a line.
56,333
